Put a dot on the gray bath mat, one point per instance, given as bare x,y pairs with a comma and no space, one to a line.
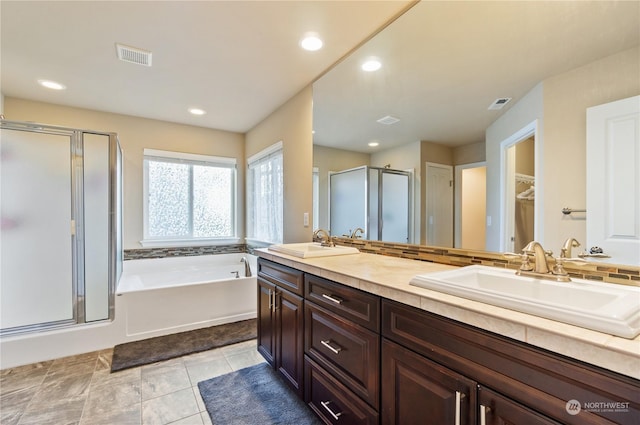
138,353
254,395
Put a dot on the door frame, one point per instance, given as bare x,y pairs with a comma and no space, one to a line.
426,197
507,185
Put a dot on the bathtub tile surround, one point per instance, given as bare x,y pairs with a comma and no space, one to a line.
81,390
142,253
612,273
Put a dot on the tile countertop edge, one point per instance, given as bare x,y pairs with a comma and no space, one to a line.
600,349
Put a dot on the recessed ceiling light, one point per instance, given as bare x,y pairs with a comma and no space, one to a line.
311,42
371,65
197,111
52,85
373,144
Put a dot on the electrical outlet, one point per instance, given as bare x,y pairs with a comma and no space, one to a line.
305,219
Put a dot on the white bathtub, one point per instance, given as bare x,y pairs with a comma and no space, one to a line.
168,295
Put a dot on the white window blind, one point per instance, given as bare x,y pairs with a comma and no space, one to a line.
188,197
265,195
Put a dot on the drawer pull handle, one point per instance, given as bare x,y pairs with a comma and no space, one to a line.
327,344
270,300
332,298
325,404
483,414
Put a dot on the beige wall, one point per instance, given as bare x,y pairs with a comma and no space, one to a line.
291,123
566,98
559,104
473,230
330,159
469,154
135,134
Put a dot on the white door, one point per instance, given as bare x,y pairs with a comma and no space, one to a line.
613,179
439,208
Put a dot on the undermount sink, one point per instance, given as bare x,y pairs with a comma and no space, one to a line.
312,249
604,307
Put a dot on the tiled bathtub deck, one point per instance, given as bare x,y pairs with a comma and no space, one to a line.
81,390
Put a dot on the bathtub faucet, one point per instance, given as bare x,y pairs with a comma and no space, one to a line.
247,267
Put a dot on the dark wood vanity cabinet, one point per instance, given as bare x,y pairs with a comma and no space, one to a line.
516,383
281,320
360,359
342,352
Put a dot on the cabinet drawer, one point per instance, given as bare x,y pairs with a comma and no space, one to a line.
280,275
353,304
349,352
332,401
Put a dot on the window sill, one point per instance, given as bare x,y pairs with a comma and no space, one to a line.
171,243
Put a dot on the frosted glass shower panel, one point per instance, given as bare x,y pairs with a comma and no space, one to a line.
347,200
36,242
395,207
96,226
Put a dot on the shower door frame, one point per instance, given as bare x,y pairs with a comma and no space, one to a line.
76,151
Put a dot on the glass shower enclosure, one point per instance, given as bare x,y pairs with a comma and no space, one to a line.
61,228
375,199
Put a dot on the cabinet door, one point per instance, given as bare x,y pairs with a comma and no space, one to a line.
496,409
290,338
266,320
417,390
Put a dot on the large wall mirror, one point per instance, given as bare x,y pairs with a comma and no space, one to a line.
485,102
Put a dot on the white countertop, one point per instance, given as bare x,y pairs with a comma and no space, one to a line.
389,277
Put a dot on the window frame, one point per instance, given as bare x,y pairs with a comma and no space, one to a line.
190,159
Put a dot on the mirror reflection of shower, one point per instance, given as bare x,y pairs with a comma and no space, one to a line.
377,200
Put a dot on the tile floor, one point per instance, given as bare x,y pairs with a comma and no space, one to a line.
81,390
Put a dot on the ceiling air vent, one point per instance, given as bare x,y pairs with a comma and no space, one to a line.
499,103
133,55
388,120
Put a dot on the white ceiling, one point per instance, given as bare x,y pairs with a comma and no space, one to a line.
238,60
445,62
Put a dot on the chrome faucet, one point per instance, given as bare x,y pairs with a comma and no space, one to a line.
354,234
324,237
565,251
247,267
